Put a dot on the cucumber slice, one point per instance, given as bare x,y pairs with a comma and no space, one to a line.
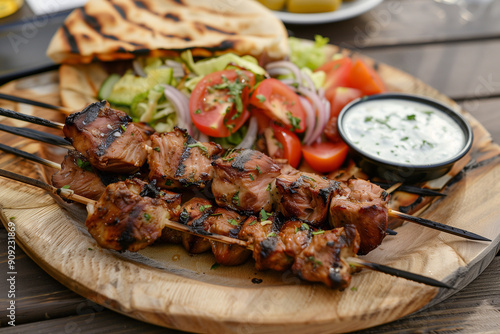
129,86
107,86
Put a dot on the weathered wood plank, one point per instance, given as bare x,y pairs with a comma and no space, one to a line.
488,112
475,309
396,22
37,295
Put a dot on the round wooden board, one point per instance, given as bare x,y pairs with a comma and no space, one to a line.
166,286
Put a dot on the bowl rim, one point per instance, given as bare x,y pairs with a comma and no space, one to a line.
454,115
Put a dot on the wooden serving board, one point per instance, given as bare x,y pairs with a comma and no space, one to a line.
166,286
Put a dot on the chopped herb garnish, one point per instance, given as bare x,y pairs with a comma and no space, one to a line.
204,207
251,177
404,138
368,118
200,146
12,218
264,215
429,112
228,159
294,121
216,214
258,169
304,226
233,222
214,266
157,149
83,164
313,260
252,223
123,127
272,234
197,111
296,229
410,117
89,248
318,232
261,97
308,178
425,142
236,198
147,216
168,182
266,222
354,289
65,186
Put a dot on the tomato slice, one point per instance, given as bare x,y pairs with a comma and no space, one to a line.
218,103
290,143
280,103
365,78
325,157
341,97
337,75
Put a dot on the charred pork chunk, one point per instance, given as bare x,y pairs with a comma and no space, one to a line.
194,214
107,138
305,196
364,205
176,160
243,181
324,259
131,215
77,175
268,248
227,222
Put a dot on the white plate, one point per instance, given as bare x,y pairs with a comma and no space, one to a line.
346,11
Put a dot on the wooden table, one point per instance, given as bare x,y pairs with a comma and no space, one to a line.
453,49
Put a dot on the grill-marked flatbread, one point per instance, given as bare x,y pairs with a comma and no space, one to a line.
108,30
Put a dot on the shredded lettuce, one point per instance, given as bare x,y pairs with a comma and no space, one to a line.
308,55
207,66
152,107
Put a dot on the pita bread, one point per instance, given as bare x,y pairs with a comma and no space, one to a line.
108,30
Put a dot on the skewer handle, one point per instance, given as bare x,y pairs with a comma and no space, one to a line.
357,262
34,103
438,226
36,135
29,156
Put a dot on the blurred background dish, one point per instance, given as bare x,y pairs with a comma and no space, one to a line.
347,10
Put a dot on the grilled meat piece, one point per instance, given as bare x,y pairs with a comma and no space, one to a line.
295,236
194,213
243,181
268,248
107,138
364,205
77,174
131,215
305,196
227,222
324,259
176,160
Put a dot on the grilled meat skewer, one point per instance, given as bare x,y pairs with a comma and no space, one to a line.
331,246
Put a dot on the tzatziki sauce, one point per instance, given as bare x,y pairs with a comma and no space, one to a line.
403,132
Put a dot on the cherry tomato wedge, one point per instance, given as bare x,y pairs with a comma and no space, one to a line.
341,97
290,143
337,75
280,103
325,157
218,103
365,78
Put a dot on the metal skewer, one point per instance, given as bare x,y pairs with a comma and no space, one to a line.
34,103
